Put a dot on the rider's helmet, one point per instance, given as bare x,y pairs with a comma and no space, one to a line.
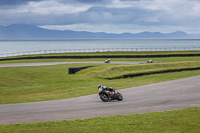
99,86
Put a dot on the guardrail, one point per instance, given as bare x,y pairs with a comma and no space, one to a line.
98,50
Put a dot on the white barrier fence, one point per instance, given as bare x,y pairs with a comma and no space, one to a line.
98,50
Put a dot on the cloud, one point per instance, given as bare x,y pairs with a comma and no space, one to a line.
93,1
53,7
118,15
121,15
113,28
15,2
86,1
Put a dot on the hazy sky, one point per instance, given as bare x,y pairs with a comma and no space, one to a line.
111,16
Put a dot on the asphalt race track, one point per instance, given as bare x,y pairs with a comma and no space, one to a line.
170,95
57,63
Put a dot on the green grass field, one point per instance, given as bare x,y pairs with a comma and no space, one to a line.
42,83
178,121
120,70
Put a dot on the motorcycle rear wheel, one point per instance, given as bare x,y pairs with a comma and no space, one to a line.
104,97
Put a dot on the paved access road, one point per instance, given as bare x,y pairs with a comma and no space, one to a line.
170,95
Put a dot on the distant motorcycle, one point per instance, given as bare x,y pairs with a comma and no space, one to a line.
107,61
107,95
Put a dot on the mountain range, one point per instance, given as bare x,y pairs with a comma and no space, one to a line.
29,32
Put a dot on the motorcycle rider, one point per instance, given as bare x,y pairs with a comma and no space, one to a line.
110,89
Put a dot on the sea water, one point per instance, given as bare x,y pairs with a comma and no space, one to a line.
37,45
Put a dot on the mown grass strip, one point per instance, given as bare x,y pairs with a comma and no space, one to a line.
178,121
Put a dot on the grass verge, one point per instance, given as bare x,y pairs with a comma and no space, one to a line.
178,121
122,71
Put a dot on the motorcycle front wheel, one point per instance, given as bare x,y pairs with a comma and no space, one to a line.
104,97
119,97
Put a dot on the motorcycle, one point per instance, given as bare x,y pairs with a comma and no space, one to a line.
107,61
106,95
